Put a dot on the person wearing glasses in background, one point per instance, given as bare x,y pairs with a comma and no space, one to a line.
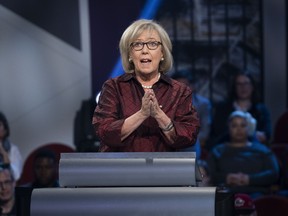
145,110
243,96
7,192
9,152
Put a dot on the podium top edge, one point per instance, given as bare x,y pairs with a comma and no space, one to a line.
79,155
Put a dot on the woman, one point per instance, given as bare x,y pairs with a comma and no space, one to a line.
9,152
242,97
240,164
144,110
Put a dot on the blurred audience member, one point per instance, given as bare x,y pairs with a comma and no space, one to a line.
280,129
242,165
7,192
45,170
242,97
244,205
84,135
9,152
203,168
203,108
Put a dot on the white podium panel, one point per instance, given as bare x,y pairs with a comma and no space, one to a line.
128,169
124,201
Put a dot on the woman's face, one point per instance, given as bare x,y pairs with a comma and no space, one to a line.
146,61
244,87
238,129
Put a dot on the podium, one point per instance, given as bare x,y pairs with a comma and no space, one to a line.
130,184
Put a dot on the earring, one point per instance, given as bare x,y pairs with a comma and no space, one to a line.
162,59
130,60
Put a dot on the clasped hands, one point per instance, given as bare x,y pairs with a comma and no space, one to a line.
150,106
237,179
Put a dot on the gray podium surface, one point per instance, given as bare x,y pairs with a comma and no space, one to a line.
128,169
126,184
124,201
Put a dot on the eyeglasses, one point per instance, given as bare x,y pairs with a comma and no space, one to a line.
244,84
151,45
6,183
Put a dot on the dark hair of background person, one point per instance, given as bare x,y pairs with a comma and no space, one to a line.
45,153
46,172
3,119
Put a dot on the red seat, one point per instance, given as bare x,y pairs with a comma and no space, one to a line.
271,205
27,173
281,129
281,152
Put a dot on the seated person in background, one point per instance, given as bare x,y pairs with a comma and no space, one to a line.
203,108
7,192
45,170
242,97
9,152
242,165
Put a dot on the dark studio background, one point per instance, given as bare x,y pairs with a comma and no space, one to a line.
76,50
56,54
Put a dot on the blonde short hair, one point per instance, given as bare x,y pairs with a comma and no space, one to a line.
133,31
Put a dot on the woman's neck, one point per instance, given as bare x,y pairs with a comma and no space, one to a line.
147,77
148,80
242,104
238,143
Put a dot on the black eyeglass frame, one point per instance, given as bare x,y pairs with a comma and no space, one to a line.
148,45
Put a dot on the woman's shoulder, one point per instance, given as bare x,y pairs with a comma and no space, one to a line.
261,107
219,149
121,78
14,147
259,147
177,85
114,81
